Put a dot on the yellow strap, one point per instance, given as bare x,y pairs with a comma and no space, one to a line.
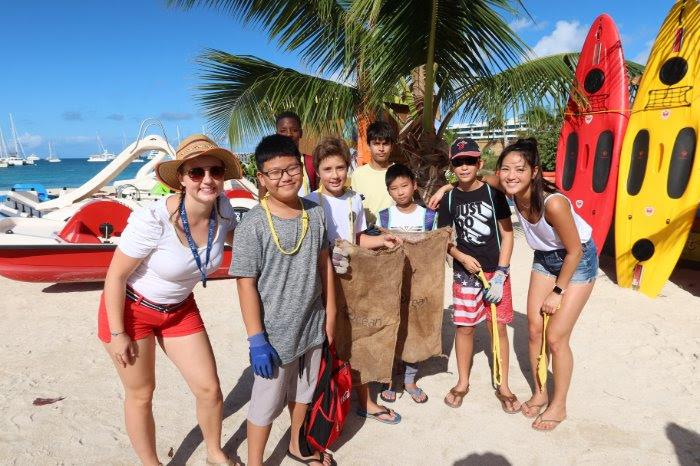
542,363
351,214
275,238
495,337
305,176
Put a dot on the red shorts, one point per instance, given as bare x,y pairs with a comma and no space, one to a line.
469,306
141,321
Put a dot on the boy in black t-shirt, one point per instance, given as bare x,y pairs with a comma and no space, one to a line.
481,217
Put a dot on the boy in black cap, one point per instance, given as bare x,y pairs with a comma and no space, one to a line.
481,218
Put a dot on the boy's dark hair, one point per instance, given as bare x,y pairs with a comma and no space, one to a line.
398,170
380,130
273,146
329,147
287,114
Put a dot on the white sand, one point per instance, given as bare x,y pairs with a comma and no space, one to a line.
633,400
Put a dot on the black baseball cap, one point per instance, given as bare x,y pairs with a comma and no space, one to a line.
464,147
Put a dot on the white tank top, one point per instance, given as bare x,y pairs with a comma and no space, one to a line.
542,237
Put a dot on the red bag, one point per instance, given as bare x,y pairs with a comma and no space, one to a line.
311,172
330,405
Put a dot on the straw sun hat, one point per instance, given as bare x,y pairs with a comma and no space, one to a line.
196,146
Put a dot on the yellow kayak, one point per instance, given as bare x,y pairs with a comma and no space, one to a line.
659,178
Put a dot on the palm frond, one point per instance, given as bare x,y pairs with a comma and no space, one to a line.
472,39
241,94
314,28
545,81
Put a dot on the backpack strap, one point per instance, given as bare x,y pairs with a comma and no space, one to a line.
429,219
384,218
495,218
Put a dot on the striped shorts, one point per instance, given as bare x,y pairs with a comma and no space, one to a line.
469,306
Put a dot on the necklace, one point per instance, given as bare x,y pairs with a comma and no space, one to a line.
275,238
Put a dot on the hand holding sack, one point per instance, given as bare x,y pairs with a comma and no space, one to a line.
340,260
263,357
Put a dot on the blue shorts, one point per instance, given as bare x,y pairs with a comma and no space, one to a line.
550,262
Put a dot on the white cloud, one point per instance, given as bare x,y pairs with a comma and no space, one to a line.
643,56
568,36
518,24
30,141
523,23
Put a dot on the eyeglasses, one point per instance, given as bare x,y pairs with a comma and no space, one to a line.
277,173
470,161
197,174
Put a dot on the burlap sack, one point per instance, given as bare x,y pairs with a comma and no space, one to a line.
368,301
420,333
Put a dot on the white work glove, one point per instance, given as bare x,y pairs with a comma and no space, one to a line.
340,260
495,291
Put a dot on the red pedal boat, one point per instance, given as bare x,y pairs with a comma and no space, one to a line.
79,250
589,146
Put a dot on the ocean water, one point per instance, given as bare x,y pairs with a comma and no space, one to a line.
69,173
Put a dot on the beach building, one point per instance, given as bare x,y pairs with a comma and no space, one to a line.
492,138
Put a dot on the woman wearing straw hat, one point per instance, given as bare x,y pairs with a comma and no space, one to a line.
164,251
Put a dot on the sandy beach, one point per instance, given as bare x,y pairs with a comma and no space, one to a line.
633,398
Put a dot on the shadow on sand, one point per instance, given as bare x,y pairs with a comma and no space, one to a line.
73,287
686,442
486,459
236,399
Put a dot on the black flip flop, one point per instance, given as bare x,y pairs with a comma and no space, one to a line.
311,460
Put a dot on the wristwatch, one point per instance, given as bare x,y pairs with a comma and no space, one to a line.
558,290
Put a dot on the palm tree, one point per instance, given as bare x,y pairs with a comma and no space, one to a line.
414,62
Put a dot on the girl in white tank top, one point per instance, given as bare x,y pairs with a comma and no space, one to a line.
542,237
564,271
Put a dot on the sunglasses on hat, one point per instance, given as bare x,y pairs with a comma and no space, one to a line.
197,174
469,161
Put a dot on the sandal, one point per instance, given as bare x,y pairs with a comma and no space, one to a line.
418,395
385,411
388,395
539,420
458,396
322,455
538,409
508,399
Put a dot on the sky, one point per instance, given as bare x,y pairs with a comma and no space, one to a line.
73,70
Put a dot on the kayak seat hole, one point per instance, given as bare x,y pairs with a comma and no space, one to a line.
643,250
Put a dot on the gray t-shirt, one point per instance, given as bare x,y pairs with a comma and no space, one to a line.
290,290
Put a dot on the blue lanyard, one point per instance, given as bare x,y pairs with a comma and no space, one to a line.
193,246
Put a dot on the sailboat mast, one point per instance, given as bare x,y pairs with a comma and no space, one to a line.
3,146
18,151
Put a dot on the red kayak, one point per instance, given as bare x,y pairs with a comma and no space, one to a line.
588,151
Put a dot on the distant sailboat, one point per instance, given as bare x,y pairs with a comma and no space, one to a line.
18,158
52,158
3,151
105,156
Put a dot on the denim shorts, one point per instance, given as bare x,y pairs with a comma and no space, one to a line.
550,262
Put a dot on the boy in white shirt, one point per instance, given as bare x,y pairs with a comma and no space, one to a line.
345,218
407,216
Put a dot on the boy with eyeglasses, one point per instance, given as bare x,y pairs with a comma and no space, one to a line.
481,218
287,296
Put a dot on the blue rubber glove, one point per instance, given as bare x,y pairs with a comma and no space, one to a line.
495,291
263,357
